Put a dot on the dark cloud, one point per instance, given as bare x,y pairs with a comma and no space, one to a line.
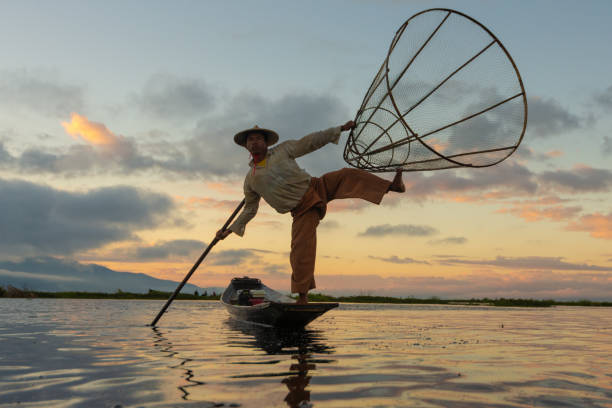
526,153
396,260
329,224
530,262
605,98
292,116
121,157
39,93
508,176
179,248
580,179
548,118
5,157
169,97
409,230
233,257
39,219
210,152
606,147
276,270
449,241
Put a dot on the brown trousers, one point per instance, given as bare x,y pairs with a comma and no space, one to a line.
344,183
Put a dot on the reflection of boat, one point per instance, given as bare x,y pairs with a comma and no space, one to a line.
302,344
250,300
278,341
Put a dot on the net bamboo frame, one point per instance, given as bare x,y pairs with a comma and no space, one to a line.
448,94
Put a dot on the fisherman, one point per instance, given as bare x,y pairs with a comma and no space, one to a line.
275,176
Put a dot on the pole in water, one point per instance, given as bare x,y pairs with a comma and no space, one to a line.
195,266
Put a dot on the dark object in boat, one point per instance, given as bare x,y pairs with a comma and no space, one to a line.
248,299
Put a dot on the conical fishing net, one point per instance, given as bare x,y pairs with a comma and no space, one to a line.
447,95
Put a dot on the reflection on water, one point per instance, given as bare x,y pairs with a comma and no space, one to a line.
301,344
299,348
164,345
100,353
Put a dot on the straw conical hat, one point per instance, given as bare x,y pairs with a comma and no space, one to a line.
271,136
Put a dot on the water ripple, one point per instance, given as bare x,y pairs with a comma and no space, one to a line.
99,353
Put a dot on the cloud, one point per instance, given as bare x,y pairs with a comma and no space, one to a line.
329,224
548,118
394,259
292,116
5,157
37,219
524,284
449,241
529,262
169,97
233,257
579,180
527,153
178,248
208,152
38,92
606,147
91,132
276,270
511,178
348,204
598,225
103,151
532,212
402,229
605,98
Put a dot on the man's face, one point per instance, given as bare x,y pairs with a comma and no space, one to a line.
256,144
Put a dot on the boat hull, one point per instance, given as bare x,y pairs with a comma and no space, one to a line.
277,310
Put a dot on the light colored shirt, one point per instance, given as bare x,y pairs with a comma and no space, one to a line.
278,178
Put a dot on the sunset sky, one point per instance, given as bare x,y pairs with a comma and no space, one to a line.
116,125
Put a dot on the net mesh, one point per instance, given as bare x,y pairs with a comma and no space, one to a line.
447,95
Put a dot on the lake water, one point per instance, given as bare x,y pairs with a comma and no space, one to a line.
100,353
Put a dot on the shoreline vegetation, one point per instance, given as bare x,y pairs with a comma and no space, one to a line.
12,292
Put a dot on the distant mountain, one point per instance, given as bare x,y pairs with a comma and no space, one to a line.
48,274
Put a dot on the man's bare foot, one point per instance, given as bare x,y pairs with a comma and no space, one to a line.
302,300
397,184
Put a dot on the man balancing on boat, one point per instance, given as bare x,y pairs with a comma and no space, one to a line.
275,176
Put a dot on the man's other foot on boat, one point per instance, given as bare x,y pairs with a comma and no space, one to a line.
302,299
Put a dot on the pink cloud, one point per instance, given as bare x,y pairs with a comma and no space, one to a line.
598,225
91,132
531,212
554,153
535,285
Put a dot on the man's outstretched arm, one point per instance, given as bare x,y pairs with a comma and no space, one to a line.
316,140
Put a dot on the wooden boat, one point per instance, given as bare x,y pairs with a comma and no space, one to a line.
247,299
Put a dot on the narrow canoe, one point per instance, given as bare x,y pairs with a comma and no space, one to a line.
268,307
